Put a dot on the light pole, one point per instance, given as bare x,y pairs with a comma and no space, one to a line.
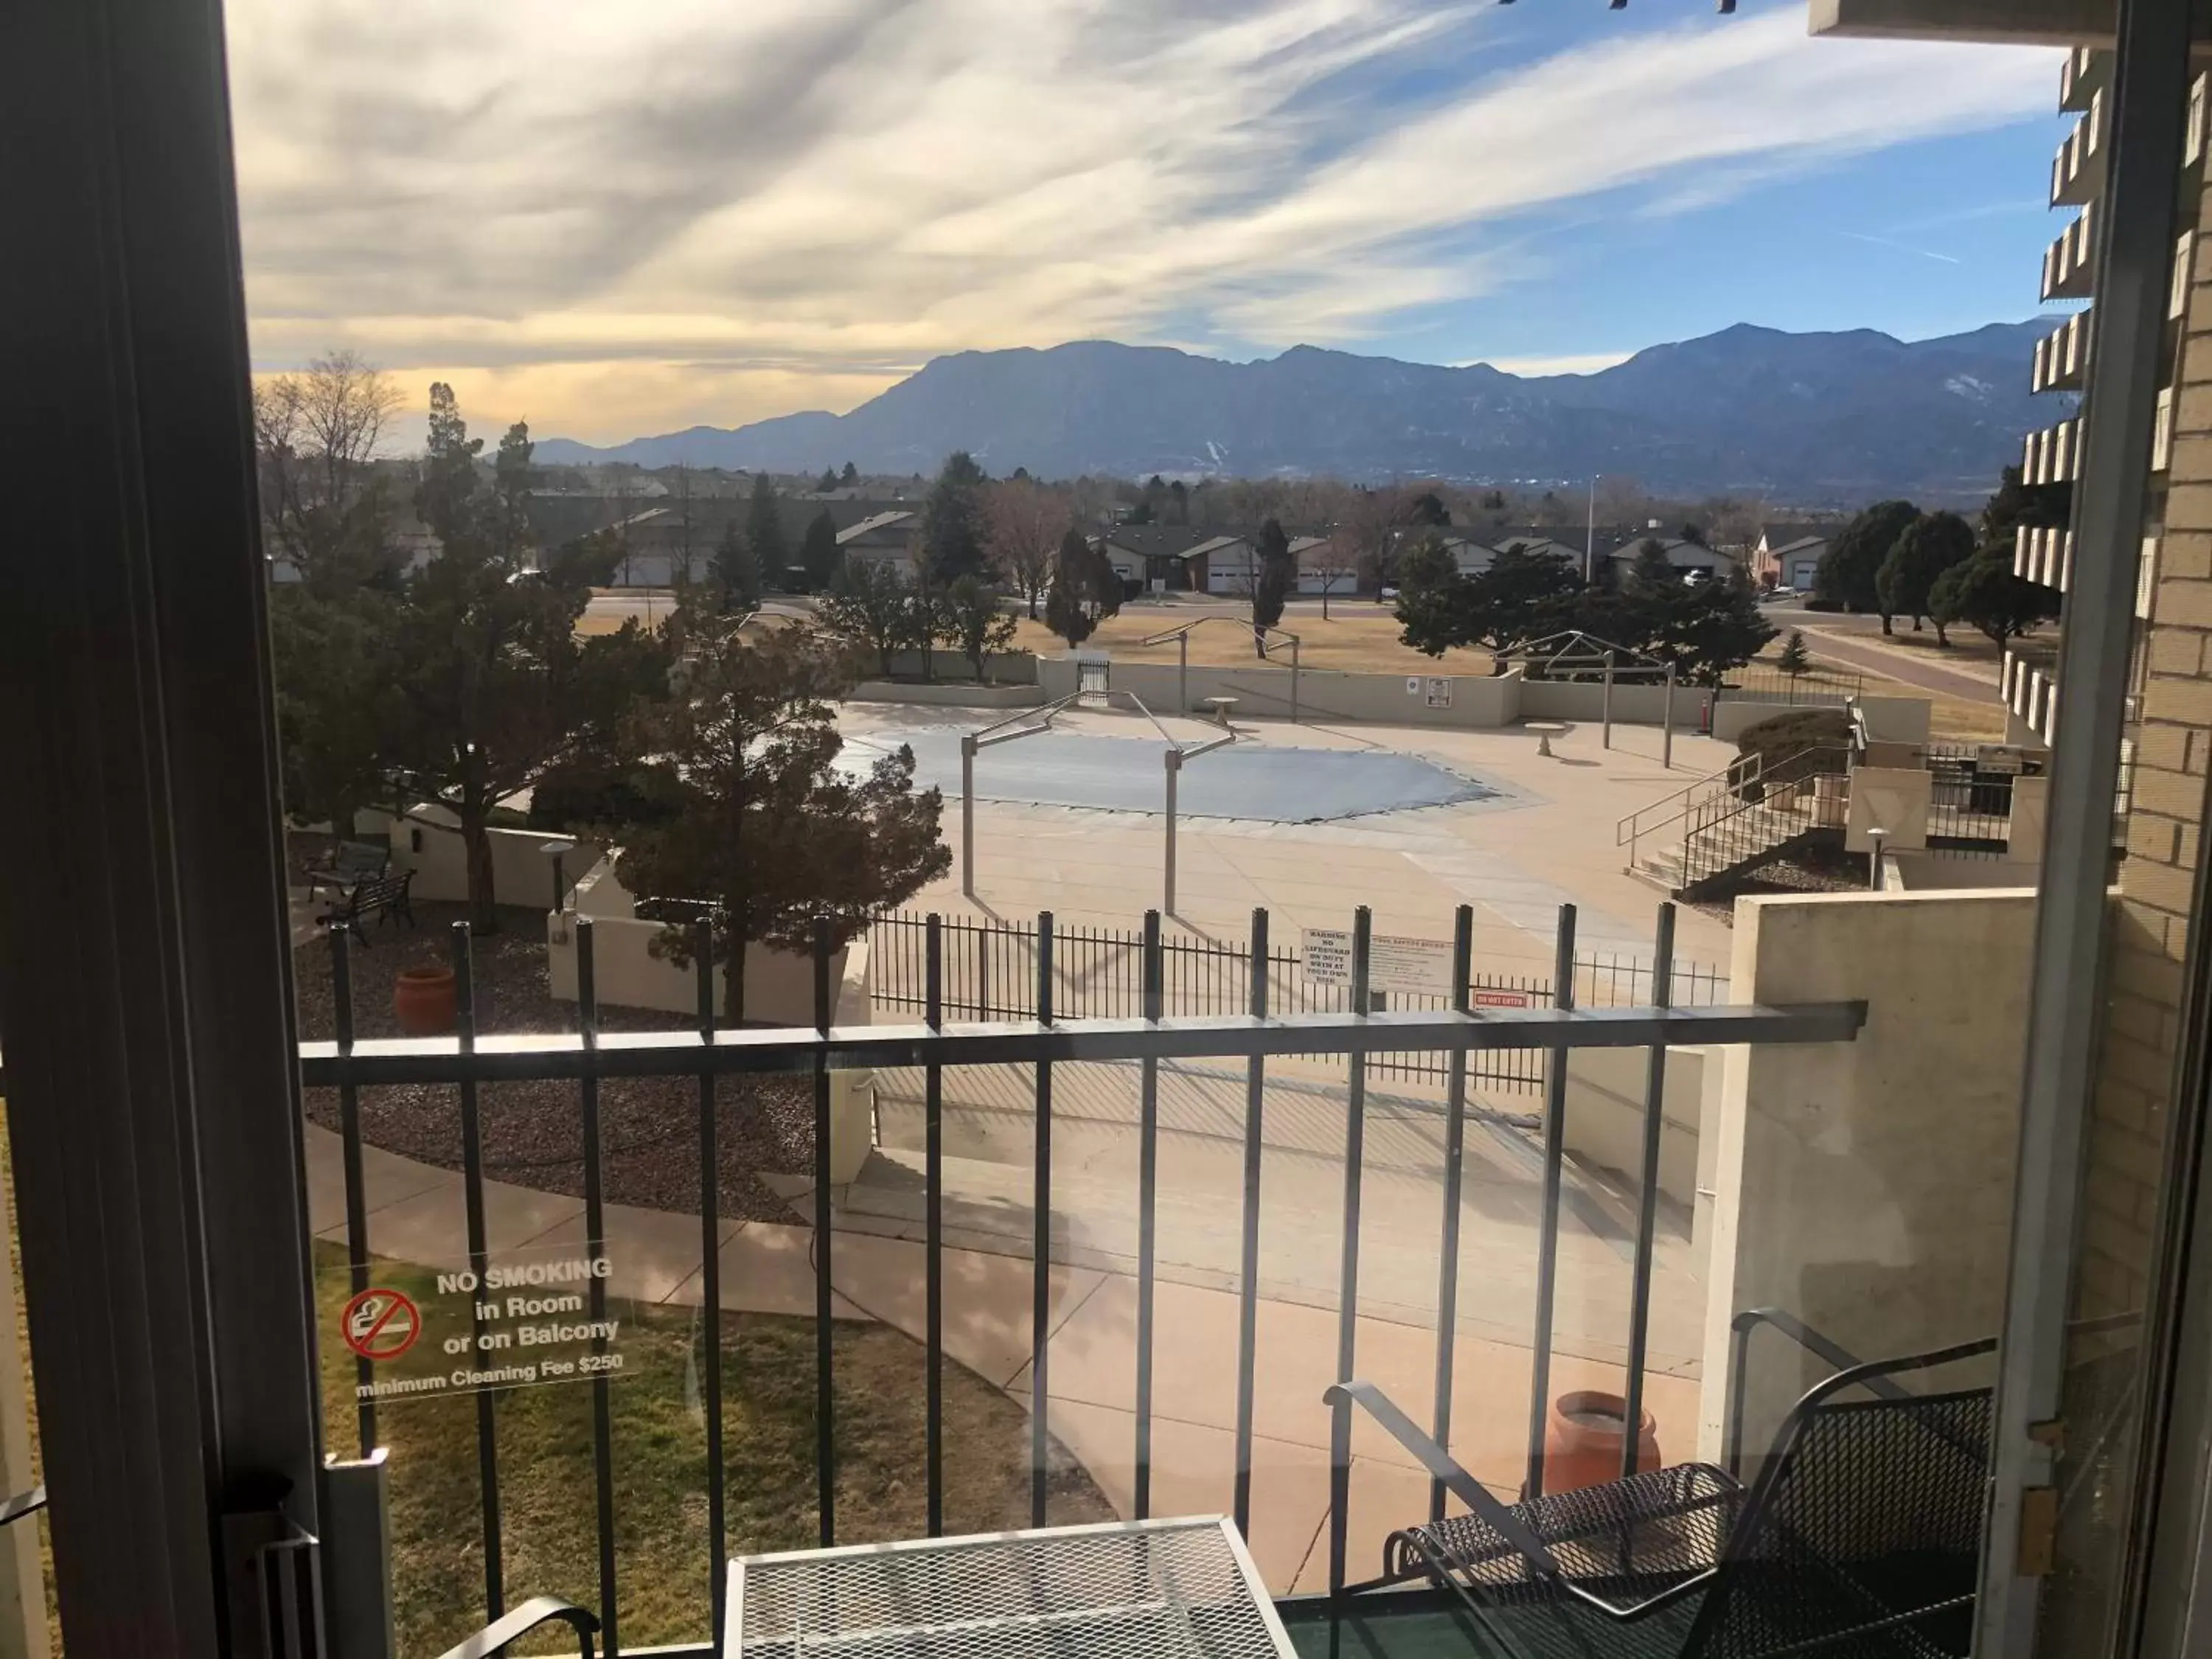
1590,542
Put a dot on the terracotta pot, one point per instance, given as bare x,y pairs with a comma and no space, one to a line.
422,999
1583,1446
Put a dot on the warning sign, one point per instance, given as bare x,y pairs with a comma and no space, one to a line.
528,1318
1326,954
380,1324
1439,691
1480,998
1395,963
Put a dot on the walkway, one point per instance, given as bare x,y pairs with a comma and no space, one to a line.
416,1215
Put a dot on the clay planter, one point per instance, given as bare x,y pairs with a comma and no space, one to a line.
1583,1446
423,1000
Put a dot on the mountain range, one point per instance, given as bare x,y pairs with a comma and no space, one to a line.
1811,419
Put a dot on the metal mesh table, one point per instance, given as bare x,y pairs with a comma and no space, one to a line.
1150,1589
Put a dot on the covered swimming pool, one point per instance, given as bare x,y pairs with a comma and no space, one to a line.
1271,784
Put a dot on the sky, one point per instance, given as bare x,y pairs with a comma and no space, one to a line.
612,221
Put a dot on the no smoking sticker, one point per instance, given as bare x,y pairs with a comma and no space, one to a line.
380,1324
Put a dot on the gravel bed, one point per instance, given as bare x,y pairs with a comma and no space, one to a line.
533,1131
1816,871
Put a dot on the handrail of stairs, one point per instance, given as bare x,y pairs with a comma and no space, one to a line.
1630,829
1745,810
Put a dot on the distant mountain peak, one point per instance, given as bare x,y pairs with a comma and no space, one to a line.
1812,419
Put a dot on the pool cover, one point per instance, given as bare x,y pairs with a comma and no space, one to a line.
1127,775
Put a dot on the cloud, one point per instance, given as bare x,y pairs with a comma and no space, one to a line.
746,209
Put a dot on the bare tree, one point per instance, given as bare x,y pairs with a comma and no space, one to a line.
316,433
1024,523
1336,564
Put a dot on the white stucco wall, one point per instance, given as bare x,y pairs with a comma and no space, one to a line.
1867,1186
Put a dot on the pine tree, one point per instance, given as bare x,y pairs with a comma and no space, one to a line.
1272,583
819,554
1795,660
764,530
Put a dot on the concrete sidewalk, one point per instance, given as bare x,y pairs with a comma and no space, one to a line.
414,1214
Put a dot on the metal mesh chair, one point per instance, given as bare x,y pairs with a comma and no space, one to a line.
1860,1537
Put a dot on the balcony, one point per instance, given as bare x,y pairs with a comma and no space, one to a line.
2051,454
2077,171
2031,690
2083,74
2062,356
1155,1237
2045,556
2069,264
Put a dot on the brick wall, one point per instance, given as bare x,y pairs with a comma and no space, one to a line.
2171,735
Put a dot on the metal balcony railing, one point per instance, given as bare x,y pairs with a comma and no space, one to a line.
1470,1037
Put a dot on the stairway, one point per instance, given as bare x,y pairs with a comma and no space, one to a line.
1734,820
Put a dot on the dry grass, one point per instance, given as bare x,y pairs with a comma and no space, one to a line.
1361,637
549,1532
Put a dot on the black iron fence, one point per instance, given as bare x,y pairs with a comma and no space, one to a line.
989,971
1761,683
1253,1029
1969,794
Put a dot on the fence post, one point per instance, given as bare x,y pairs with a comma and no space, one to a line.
1609,700
1174,757
968,814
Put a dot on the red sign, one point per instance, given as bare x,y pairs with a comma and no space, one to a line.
1501,999
381,1324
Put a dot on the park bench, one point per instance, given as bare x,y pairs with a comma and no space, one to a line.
382,896
349,862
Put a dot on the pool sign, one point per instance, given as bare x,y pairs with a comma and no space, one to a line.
1440,689
1480,998
1395,963
380,1324
528,1318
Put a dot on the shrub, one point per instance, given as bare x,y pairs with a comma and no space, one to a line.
1773,750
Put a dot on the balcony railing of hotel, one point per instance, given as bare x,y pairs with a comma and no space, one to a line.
1031,1032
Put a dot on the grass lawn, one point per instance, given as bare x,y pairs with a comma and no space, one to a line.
549,1537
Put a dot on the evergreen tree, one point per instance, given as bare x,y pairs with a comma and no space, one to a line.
753,816
1847,571
1983,593
850,475
1272,583
954,537
1795,660
1085,589
496,690
973,624
829,481
1931,545
819,554
765,532
733,576
867,605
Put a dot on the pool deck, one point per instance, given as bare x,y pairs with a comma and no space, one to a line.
1549,841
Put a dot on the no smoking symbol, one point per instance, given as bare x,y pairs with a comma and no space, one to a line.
379,1324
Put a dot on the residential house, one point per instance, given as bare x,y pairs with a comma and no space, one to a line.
1176,558
891,538
1326,566
1787,555
1692,560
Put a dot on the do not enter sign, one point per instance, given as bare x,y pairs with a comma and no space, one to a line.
380,1324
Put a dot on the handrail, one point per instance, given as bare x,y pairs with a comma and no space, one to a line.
1628,829
1741,810
538,1610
